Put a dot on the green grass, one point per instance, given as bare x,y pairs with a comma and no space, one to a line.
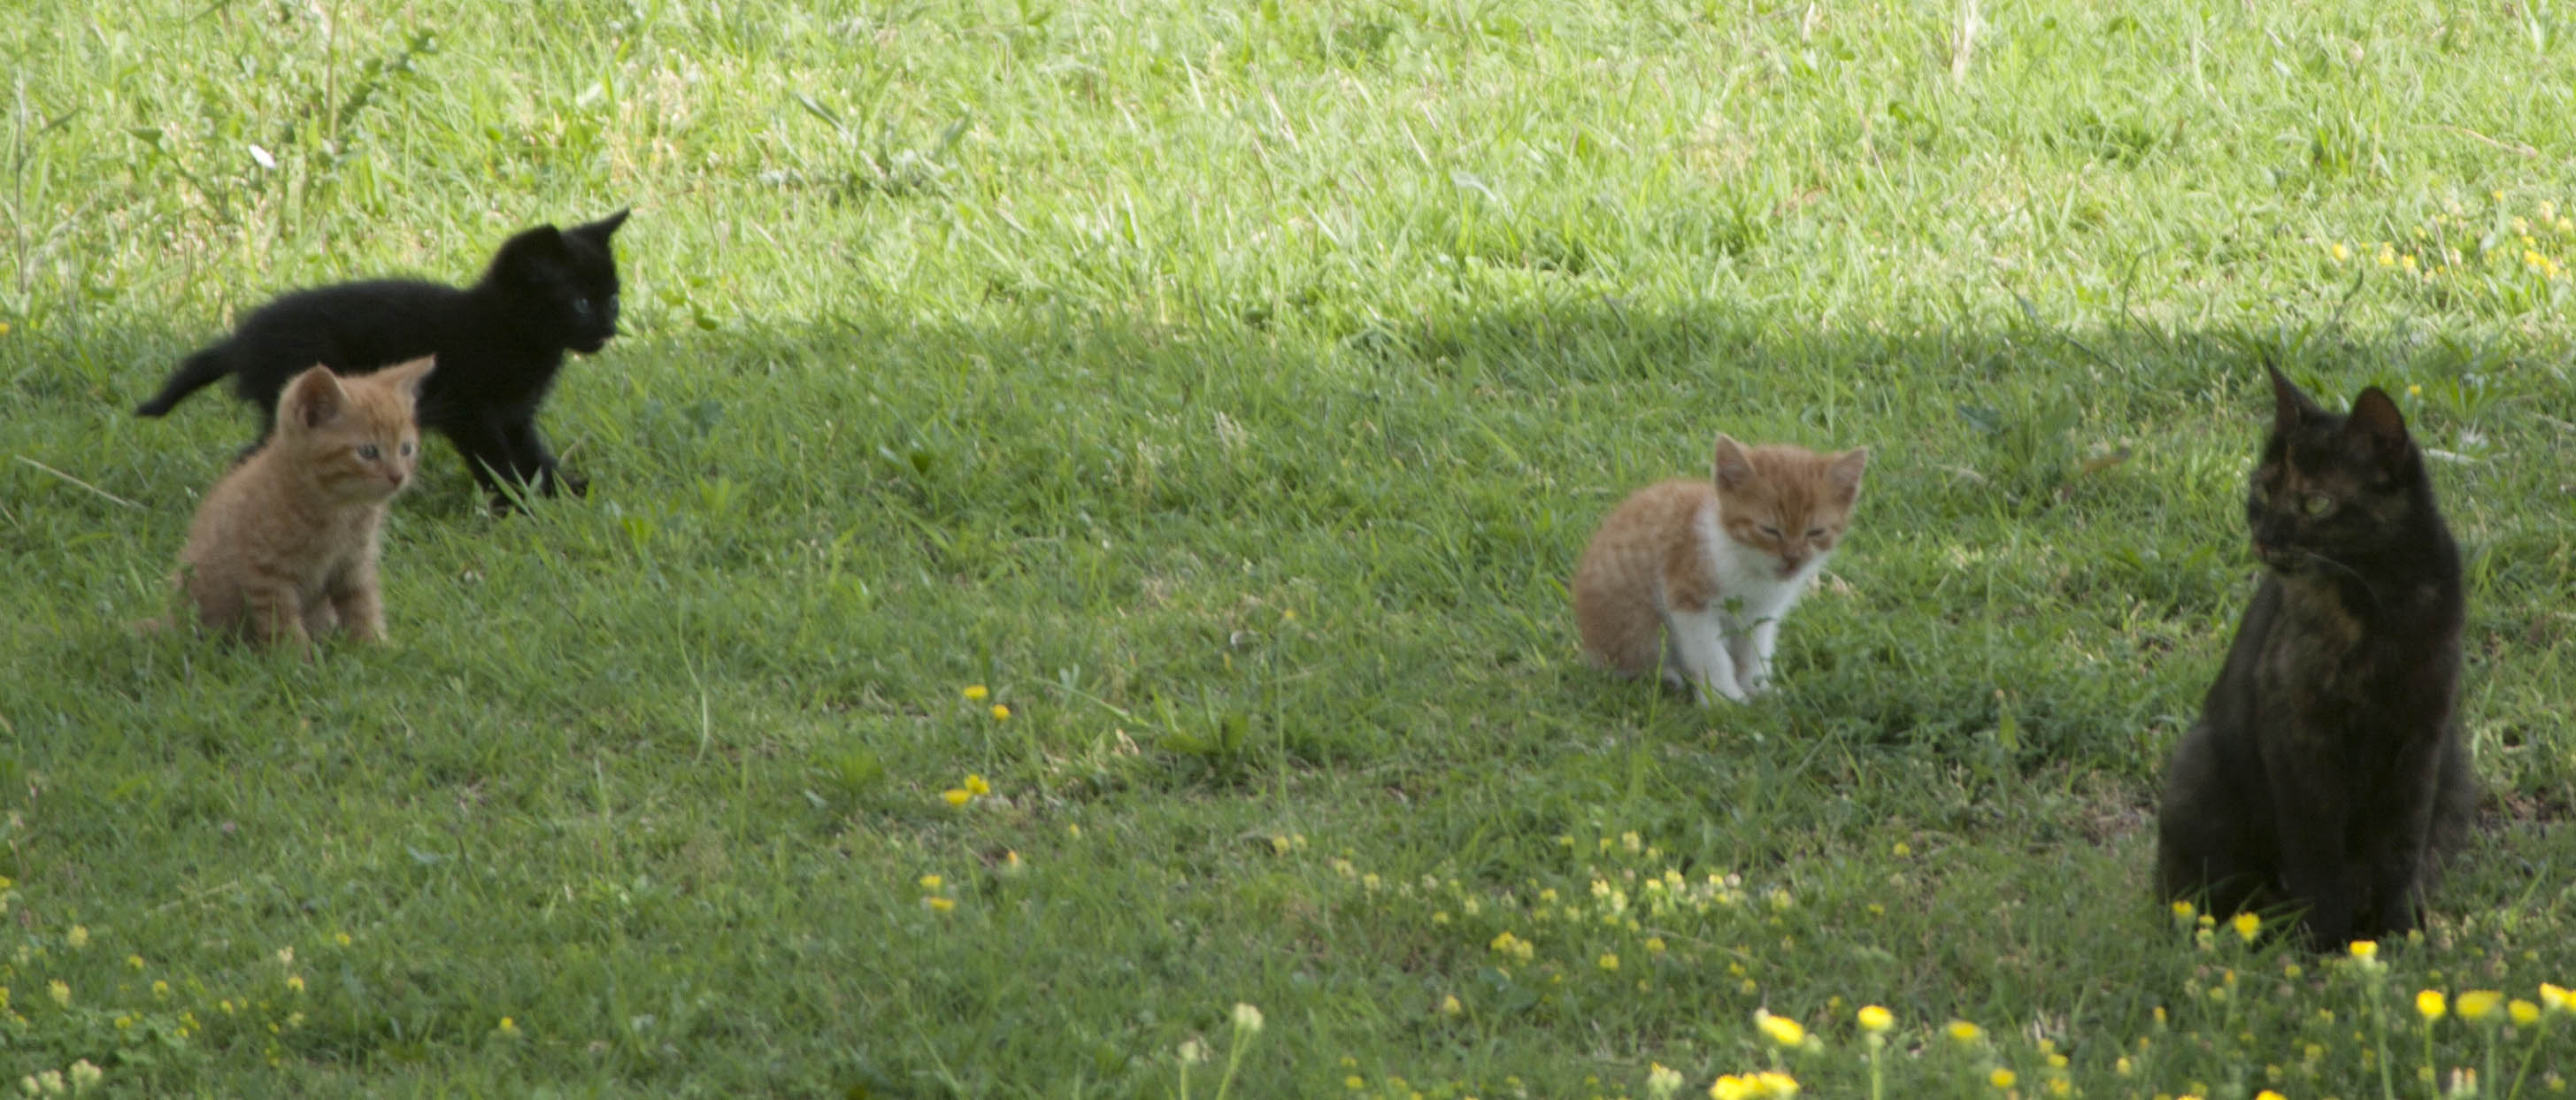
1230,389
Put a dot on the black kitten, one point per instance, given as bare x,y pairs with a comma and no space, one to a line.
2327,769
498,343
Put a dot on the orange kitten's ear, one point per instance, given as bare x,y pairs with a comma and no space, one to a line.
1845,472
410,375
312,399
1733,469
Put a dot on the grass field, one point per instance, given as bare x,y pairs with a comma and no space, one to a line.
1226,391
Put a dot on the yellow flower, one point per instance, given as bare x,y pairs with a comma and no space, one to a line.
931,882
2365,950
295,983
1354,1083
1901,850
2430,1006
1247,1019
940,905
2268,1094
1874,1019
60,992
1000,712
2003,1078
1608,961
957,796
1654,945
2341,253
1449,1005
2182,910
2247,925
1780,1029
508,1026
976,786
1777,1086
78,937
160,989
2553,997
341,938
1662,1080
2414,391
2478,1004
975,693
2522,1011
84,1075
1965,1032
1731,1087
134,962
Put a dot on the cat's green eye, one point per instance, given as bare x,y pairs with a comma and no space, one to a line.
368,451
2316,504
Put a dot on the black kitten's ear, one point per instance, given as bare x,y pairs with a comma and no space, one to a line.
2289,406
2376,421
535,247
601,230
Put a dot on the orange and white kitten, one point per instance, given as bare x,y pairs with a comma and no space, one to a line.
1693,577
284,546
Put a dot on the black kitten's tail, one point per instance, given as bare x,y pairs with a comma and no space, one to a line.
199,371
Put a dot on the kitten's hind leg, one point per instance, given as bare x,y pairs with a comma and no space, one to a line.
1698,639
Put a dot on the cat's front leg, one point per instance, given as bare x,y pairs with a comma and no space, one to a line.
536,466
361,610
1752,651
1698,640
276,616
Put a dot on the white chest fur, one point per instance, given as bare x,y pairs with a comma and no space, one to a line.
1725,650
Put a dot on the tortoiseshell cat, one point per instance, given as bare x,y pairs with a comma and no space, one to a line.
2327,769
499,345
284,545
1693,577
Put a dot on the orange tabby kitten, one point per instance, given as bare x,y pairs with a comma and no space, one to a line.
284,546
1693,577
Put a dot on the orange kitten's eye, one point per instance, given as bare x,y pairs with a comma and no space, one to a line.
406,448
1815,532
1774,532
368,451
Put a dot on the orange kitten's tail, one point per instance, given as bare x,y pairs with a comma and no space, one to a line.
198,372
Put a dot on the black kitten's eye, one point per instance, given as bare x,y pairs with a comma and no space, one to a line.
368,451
2316,504
581,306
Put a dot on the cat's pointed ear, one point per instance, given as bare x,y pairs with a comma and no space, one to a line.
531,250
2376,422
409,376
1732,468
602,229
2289,404
1844,472
313,399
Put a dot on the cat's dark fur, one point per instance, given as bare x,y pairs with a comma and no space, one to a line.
499,344
2327,771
